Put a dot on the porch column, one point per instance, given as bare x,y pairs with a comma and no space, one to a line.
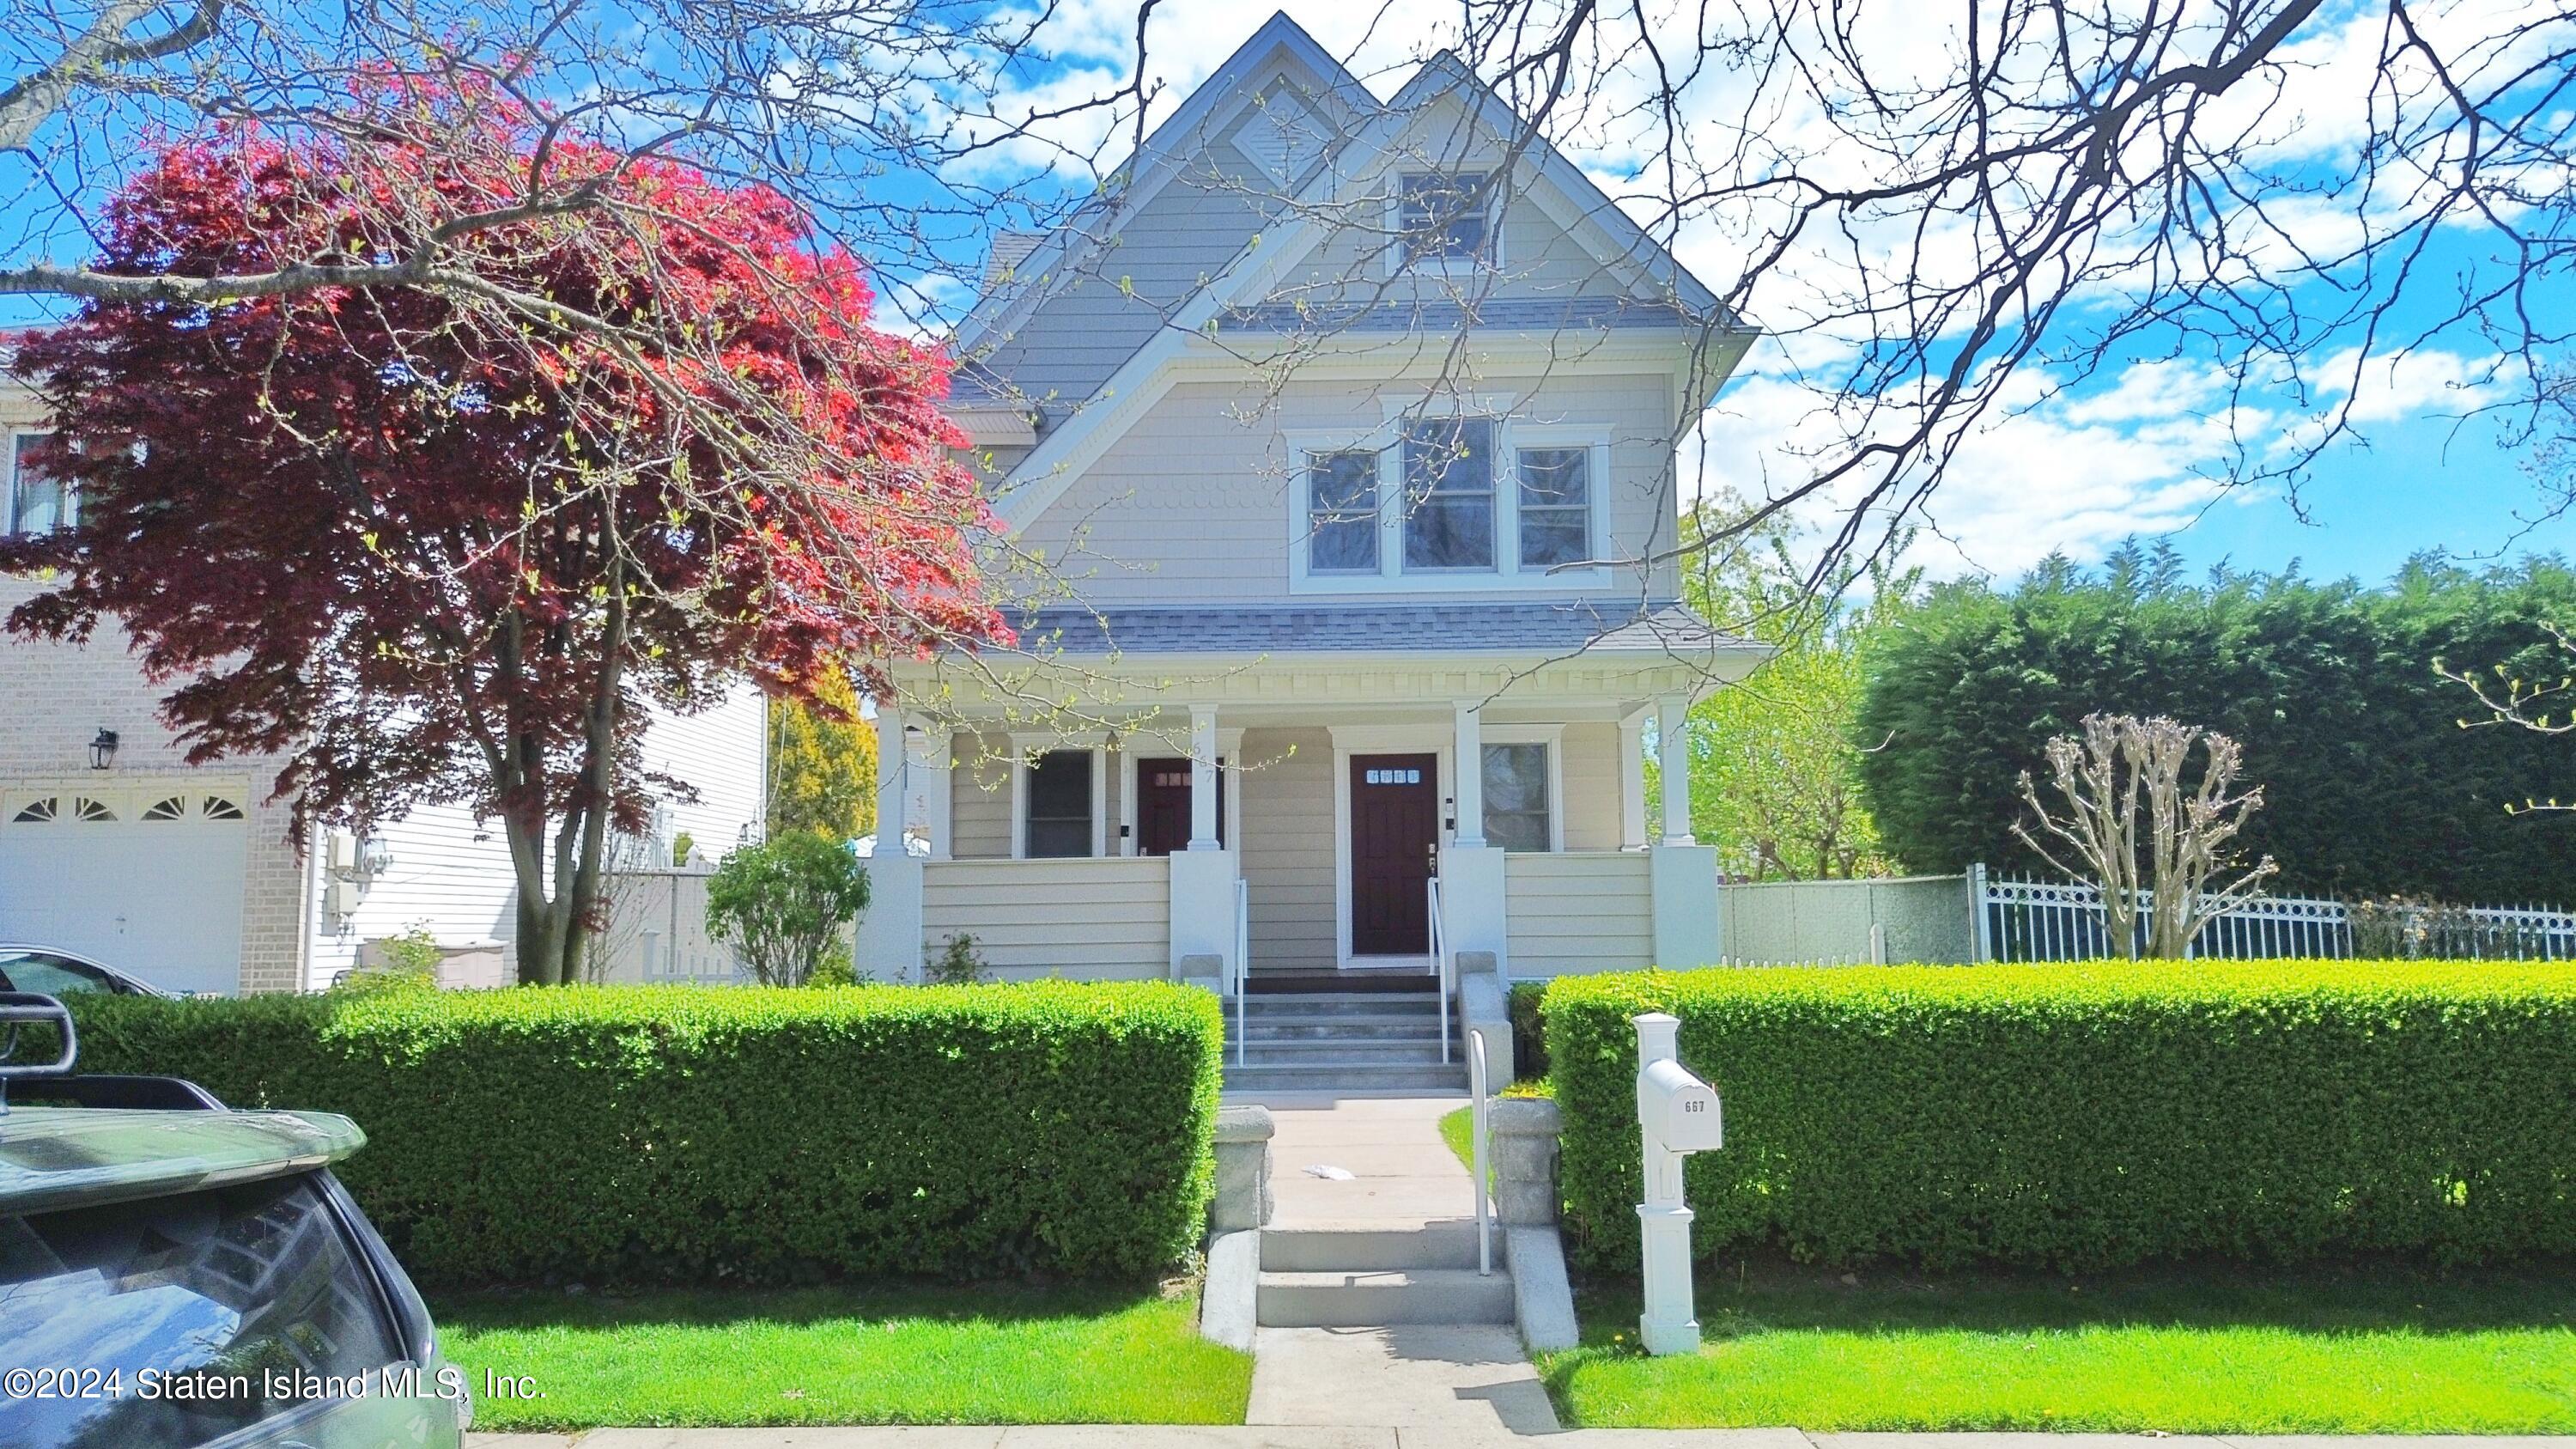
934,770
887,941
1672,713
1203,775
1470,784
1632,782
894,775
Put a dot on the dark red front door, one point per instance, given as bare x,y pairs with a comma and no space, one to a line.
1395,824
1163,806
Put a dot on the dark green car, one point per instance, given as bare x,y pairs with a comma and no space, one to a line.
174,1274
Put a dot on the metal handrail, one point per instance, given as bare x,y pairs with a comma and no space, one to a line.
1481,1108
1440,965
1239,973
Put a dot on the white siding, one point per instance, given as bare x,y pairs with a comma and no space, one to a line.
451,872
1100,919
979,819
1590,771
1116,300
1288,857
1190,506
1571,914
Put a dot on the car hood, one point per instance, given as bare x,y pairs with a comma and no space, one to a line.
59,1157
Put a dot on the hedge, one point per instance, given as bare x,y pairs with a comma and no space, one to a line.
2092,1116
626,1134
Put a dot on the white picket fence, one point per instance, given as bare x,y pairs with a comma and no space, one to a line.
2030,920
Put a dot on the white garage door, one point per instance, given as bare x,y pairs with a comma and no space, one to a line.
146,879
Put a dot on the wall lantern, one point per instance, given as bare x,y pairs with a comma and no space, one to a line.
102,750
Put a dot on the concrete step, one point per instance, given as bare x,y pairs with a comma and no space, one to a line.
1325,1247
1373,1053
1373,1298
1354,1003
1346,1028
1343,1073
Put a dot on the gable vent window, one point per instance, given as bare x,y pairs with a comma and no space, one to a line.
1341,513
1556,506
1059,804
1449,494
1282,137
1443,216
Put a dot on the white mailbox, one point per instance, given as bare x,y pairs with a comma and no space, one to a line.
1679,1110
1677,1114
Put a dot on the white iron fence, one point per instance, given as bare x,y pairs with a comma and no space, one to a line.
2027,920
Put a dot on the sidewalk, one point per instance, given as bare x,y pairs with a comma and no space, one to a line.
1135,1436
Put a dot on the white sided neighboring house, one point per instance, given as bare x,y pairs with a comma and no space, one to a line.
183,875
1343,494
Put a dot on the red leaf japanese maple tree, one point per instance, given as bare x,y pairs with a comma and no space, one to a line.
448,542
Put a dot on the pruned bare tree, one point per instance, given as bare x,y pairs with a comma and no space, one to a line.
2148,839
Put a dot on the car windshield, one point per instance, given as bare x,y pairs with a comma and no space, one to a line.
50,974
176,1320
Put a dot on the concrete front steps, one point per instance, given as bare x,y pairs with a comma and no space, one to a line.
1362,1277
1372,1041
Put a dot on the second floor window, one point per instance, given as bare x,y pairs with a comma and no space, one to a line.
36,503
1443,216
1449,494
1341,512
1556,506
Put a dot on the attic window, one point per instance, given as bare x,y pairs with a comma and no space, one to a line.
1282,137
1444,216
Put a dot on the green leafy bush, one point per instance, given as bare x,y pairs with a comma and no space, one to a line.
785,903
675,1133
2092,1116
1529,1030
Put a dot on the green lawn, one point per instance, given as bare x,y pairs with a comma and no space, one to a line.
2390,1351
911,1355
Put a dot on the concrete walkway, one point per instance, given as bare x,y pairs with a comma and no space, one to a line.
1464,1379
1130,1436
1402,1174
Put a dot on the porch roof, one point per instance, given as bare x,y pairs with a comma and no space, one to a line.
1424,627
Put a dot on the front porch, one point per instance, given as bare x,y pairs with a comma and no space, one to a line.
1320,846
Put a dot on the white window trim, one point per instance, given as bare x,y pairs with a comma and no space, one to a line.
1229,753
1024,747
1445,267
1595,442
1552,737
1507,575
9,492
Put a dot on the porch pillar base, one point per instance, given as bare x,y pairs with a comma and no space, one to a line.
1203,906
1471,901
1688,932
886,945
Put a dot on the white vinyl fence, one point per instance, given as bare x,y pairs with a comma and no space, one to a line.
2026,920
655,931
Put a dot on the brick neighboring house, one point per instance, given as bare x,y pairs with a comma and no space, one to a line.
183,875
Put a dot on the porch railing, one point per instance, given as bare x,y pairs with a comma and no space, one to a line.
1442,965
1238,971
